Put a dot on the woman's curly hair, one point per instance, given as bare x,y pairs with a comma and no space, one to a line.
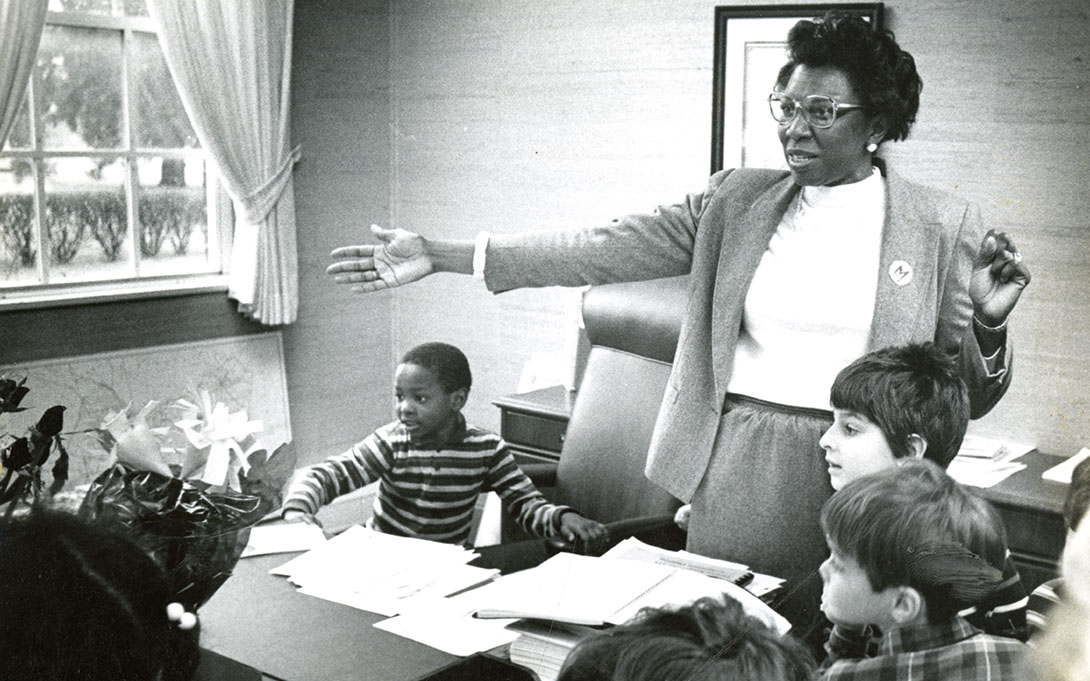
876,66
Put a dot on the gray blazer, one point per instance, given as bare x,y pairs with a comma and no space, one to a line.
719,236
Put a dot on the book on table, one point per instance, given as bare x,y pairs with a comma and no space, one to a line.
595,591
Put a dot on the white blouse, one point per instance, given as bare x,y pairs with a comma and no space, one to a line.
809,310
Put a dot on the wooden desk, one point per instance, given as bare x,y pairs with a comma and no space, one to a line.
533,424
261,621
1032,511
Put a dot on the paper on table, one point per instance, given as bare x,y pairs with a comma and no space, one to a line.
359,553
685,586
570,588
413,592
980,447
1062,472
382,573
981,473
451,632
283,538
634,549
594,591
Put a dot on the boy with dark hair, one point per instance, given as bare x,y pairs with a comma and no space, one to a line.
902,402
431,465
896,402
707,640
1048,594
910,548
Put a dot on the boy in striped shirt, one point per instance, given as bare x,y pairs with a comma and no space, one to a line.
431,465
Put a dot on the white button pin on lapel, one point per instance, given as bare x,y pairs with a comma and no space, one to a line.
900,272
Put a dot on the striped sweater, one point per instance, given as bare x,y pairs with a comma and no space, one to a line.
428,493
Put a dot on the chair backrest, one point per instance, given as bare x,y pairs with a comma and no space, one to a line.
633,329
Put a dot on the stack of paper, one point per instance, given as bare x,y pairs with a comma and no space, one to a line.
985,462
543,646
383,573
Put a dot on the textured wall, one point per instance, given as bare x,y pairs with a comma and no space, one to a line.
338,353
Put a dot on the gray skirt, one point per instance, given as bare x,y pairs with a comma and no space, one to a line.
760,500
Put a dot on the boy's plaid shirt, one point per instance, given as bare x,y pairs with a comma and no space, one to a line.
951,651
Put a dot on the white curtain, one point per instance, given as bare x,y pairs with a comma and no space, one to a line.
21,24
231,60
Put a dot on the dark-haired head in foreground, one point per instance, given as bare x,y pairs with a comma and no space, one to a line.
78,603
708,640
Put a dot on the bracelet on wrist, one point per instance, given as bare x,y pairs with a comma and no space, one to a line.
986,328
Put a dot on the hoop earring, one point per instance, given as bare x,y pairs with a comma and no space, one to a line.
872,147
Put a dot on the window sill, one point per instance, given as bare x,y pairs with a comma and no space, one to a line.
89,293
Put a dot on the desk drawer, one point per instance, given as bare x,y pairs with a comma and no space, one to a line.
1031,533
536,432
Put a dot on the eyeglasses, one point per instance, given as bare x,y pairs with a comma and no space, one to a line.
818,110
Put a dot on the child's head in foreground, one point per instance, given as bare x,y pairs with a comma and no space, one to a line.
82,603
431,386
708,640
894,403
908,545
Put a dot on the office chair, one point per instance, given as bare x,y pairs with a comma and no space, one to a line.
633,331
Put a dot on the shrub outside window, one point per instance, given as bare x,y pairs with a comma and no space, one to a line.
104,189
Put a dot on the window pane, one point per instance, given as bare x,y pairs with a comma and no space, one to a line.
88,6
132,8
173,217
19,137
135,8
159,121
86,220
80,72
18,243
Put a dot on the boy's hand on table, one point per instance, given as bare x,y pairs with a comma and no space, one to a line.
591,533
296,516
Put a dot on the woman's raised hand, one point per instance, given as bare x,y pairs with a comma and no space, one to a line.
999,275
399,258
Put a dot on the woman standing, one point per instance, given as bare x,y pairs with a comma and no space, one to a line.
793,275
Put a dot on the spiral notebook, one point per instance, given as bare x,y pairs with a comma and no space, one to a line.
596,591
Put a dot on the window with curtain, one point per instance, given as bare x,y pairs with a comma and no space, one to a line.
104,189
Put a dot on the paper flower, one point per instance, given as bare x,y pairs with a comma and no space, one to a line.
135,443
220,441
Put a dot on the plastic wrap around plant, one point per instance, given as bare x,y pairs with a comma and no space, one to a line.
196,536
193,518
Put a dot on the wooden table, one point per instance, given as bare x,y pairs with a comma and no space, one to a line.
261,621
1032,511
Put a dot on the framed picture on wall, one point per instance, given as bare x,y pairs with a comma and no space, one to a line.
750,43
